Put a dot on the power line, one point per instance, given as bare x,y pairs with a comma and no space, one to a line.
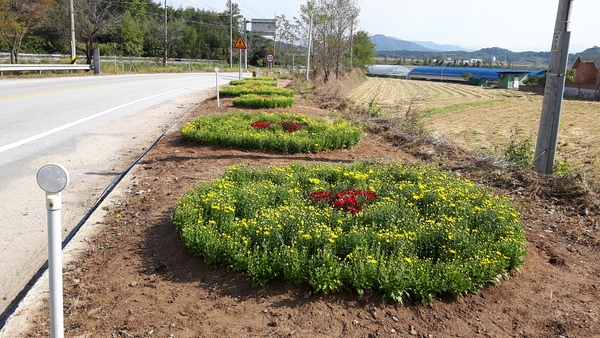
249,8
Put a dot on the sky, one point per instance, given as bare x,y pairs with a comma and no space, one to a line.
518,25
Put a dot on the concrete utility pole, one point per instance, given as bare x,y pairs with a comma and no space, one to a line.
230,33
166,56
545,151
310,31
246,40
73,50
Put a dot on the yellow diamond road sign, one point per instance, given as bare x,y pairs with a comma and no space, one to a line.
239,44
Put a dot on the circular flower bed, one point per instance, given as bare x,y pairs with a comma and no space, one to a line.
288,133
403,232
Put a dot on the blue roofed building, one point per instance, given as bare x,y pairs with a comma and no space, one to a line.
475,75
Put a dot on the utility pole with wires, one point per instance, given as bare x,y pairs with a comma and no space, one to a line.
230,33
545,150
72,17
310,31
166,55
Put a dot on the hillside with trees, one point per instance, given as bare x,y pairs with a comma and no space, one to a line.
397,51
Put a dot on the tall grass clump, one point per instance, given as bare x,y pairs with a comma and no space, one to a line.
288,133
404,232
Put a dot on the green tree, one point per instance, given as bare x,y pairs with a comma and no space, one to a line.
130,36
129,33
333,22
570,75
363,52
17,17
95,20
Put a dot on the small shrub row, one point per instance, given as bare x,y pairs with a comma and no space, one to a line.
263,101
257,89
267,81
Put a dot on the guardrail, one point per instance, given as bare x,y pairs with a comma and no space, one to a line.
5,57
39,67
42,67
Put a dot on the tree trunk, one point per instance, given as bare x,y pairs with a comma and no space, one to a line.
14,55
89,51
326,75
15,46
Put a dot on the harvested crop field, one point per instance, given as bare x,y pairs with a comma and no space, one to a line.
486,119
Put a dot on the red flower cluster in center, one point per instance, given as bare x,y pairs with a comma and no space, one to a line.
288,126
351,200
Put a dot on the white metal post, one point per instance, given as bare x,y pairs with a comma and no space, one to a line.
54,206
217,76
53,178
240,64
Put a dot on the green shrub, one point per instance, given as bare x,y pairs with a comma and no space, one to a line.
237,130
254,81
263,101
400,231
520,150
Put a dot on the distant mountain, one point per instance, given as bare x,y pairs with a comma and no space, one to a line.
593,50
383,42
443,47
387,43
421,50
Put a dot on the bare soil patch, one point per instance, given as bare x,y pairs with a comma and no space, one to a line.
136,280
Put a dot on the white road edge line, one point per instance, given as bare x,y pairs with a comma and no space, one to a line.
74,123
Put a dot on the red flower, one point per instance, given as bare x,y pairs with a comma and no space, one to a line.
261,125
289,126
351,200
318,196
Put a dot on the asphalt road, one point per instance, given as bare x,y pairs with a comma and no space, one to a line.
95,126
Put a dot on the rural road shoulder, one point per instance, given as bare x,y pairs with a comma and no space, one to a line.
95,171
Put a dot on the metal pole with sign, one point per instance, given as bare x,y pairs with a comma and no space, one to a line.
240,44
53,178
270,59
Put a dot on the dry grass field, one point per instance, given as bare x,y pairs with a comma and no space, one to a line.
486,119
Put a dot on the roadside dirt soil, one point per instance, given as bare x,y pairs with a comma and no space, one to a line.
135,279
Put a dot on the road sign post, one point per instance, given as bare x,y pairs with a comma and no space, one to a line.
270,59
240,44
